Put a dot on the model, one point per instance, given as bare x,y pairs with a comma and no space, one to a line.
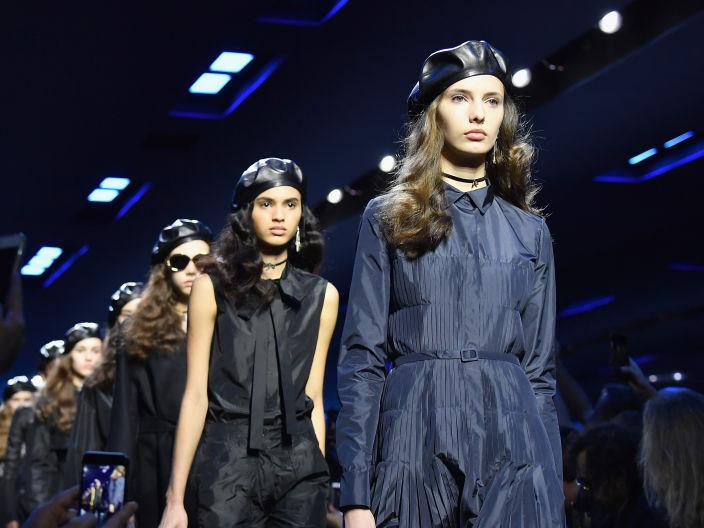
454,286
260,323
150,372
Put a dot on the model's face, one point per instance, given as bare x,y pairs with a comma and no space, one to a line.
182,279
128,310
20,399
276,214
470,114
86,355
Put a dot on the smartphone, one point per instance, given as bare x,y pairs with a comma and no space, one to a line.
103,483
11,249
619,353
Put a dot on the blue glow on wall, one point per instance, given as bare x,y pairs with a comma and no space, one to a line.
133,200
679,139
642,156
210,83
65,266
231,62
686,266
587,306
303,22
624,176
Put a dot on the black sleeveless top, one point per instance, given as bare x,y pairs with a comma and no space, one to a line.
261,356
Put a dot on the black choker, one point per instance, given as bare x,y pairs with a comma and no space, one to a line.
274,265
474,182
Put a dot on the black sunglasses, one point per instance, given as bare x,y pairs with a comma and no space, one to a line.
178,262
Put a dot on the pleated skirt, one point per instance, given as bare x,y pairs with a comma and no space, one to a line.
461,444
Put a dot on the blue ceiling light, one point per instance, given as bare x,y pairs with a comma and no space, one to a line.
103,195
247,89
643,156
33,271
210,83
587,306
41,261
66,265
231,62
117,184
679,139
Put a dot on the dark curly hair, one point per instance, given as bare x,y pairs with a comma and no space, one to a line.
413,217
237,263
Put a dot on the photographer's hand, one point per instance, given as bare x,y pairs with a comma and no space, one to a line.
637,380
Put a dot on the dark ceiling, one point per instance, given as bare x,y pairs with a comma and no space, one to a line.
87,93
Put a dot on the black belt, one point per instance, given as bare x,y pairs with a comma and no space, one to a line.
155,424
463,355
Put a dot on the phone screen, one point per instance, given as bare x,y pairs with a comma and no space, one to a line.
103,486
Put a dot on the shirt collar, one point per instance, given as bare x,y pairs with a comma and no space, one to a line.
291,287
453,195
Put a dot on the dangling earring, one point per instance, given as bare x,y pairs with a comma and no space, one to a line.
298,239
493,155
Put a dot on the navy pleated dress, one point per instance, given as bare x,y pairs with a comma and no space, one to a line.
462,431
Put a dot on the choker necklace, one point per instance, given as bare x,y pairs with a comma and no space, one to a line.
274,265
474,182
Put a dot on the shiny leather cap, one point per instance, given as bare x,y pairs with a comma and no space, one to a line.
17,384
179,232
265,174
447,66
125,293
52,349
79,332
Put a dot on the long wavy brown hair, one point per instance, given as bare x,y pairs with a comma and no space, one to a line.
413,214
5,423
57,403
672,458
155,325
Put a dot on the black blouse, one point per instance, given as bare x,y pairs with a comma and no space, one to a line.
261,356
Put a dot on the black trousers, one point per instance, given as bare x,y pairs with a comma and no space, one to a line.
283,485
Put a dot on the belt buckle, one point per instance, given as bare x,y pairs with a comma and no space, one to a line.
469,355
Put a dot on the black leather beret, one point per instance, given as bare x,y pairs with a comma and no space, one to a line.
125,293
177,233
79,332
17,384
265,174
53,349
447,66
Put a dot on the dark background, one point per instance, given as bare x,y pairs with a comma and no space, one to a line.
87,91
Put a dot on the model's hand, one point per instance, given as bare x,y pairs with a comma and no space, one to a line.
359,518
174,516
637,380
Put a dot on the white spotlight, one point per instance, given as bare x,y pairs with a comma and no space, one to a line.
677,376
653,378
335,196
521,78
611,22
387,163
